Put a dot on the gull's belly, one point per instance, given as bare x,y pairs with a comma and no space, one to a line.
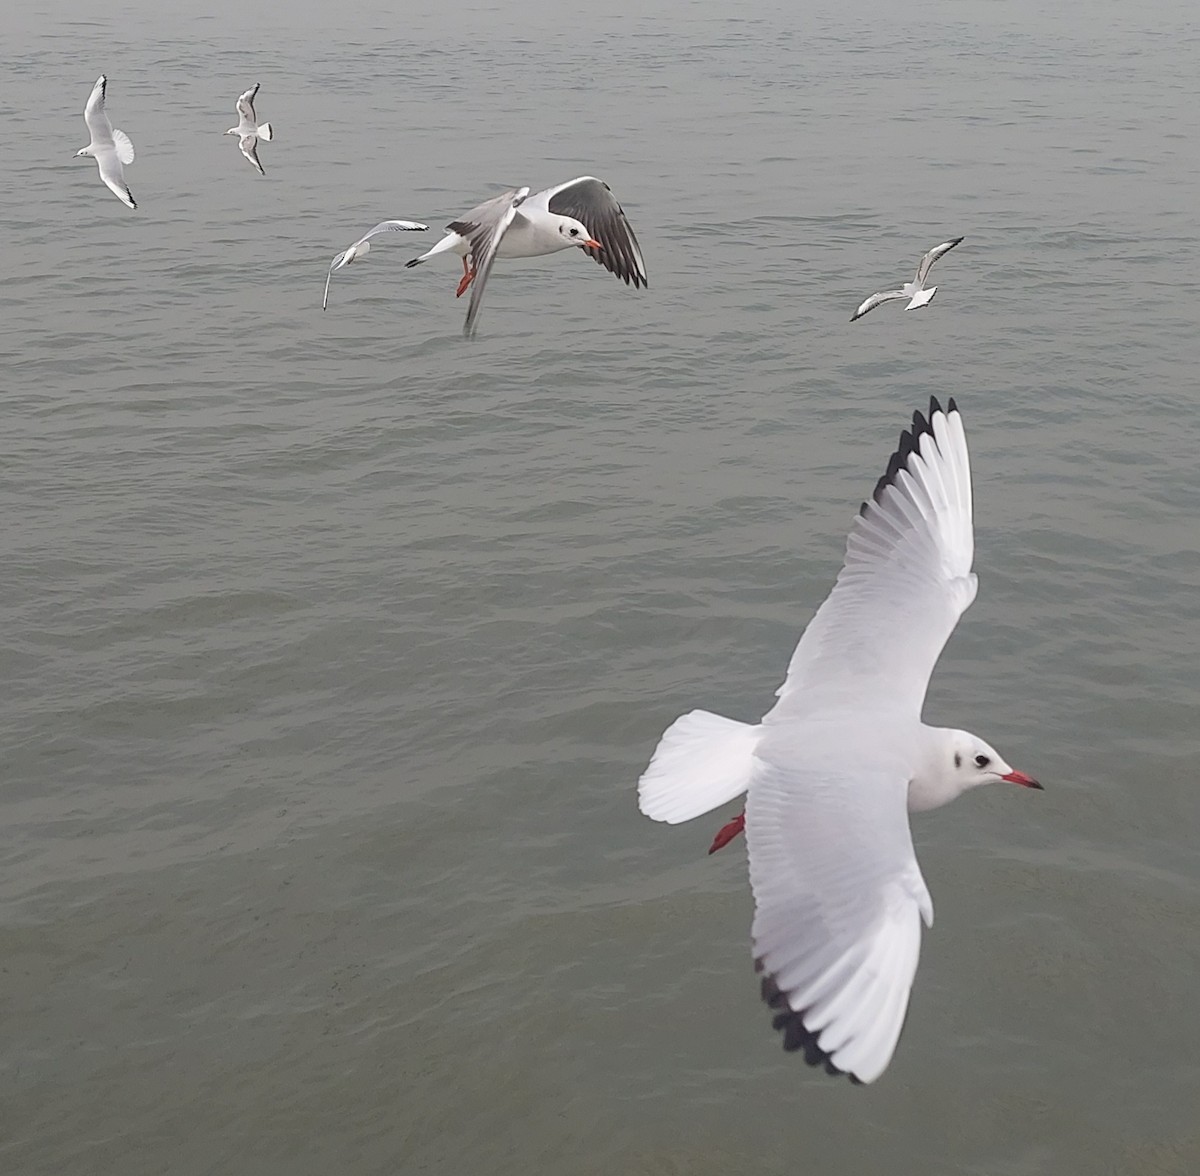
528,240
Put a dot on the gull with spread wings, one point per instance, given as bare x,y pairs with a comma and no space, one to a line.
249,130
916,290
362,247
582,212
110,149
833,769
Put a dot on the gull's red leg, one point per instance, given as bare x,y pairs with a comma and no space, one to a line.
728,832
467,278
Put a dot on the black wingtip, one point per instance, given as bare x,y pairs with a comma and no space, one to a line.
797,1037
410,264
909,443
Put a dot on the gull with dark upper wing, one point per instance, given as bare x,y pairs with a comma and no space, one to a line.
581,213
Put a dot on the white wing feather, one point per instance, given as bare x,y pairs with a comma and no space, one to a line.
94,114
837,890
838,894
876,300
938,251
906,580
114,177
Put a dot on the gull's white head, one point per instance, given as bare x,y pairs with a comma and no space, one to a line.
956,761
84,151
575,233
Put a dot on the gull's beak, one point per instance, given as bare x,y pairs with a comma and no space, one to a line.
590,244
1023,780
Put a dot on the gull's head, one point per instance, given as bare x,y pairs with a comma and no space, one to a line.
575,233
84,151
974,762
958,761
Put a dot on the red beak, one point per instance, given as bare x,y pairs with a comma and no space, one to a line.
590,244
1023,780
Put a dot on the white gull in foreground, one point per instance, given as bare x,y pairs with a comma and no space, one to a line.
110,149
362,247
582,212
833,769
249,130
914,290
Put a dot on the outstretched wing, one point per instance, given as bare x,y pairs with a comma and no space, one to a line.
245,105
334,264
877,300
483,228
838,895
95,116
249,146
361,247
393,226
114,177
906,580
932,256
591,201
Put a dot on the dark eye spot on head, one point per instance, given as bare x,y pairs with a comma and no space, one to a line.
957,760
982,761
574,232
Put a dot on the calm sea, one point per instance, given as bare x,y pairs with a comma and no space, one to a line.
333,645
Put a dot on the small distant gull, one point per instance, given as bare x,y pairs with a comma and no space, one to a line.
915,289
582,212
110,149
833,769
362,247
249,130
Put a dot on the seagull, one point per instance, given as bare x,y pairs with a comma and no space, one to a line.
362,247
110,149
832,767
915,289
582,212
249,130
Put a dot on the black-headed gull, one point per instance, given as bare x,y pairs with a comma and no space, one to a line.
914,290
362,247
110,149
249,130
833,769
582,212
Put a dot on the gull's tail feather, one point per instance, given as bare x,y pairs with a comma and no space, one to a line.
265,132
124,147
702,761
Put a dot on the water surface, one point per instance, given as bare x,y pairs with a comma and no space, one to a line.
333,645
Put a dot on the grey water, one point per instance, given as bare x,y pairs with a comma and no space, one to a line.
333,644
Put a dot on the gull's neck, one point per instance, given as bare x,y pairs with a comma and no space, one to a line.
933,784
